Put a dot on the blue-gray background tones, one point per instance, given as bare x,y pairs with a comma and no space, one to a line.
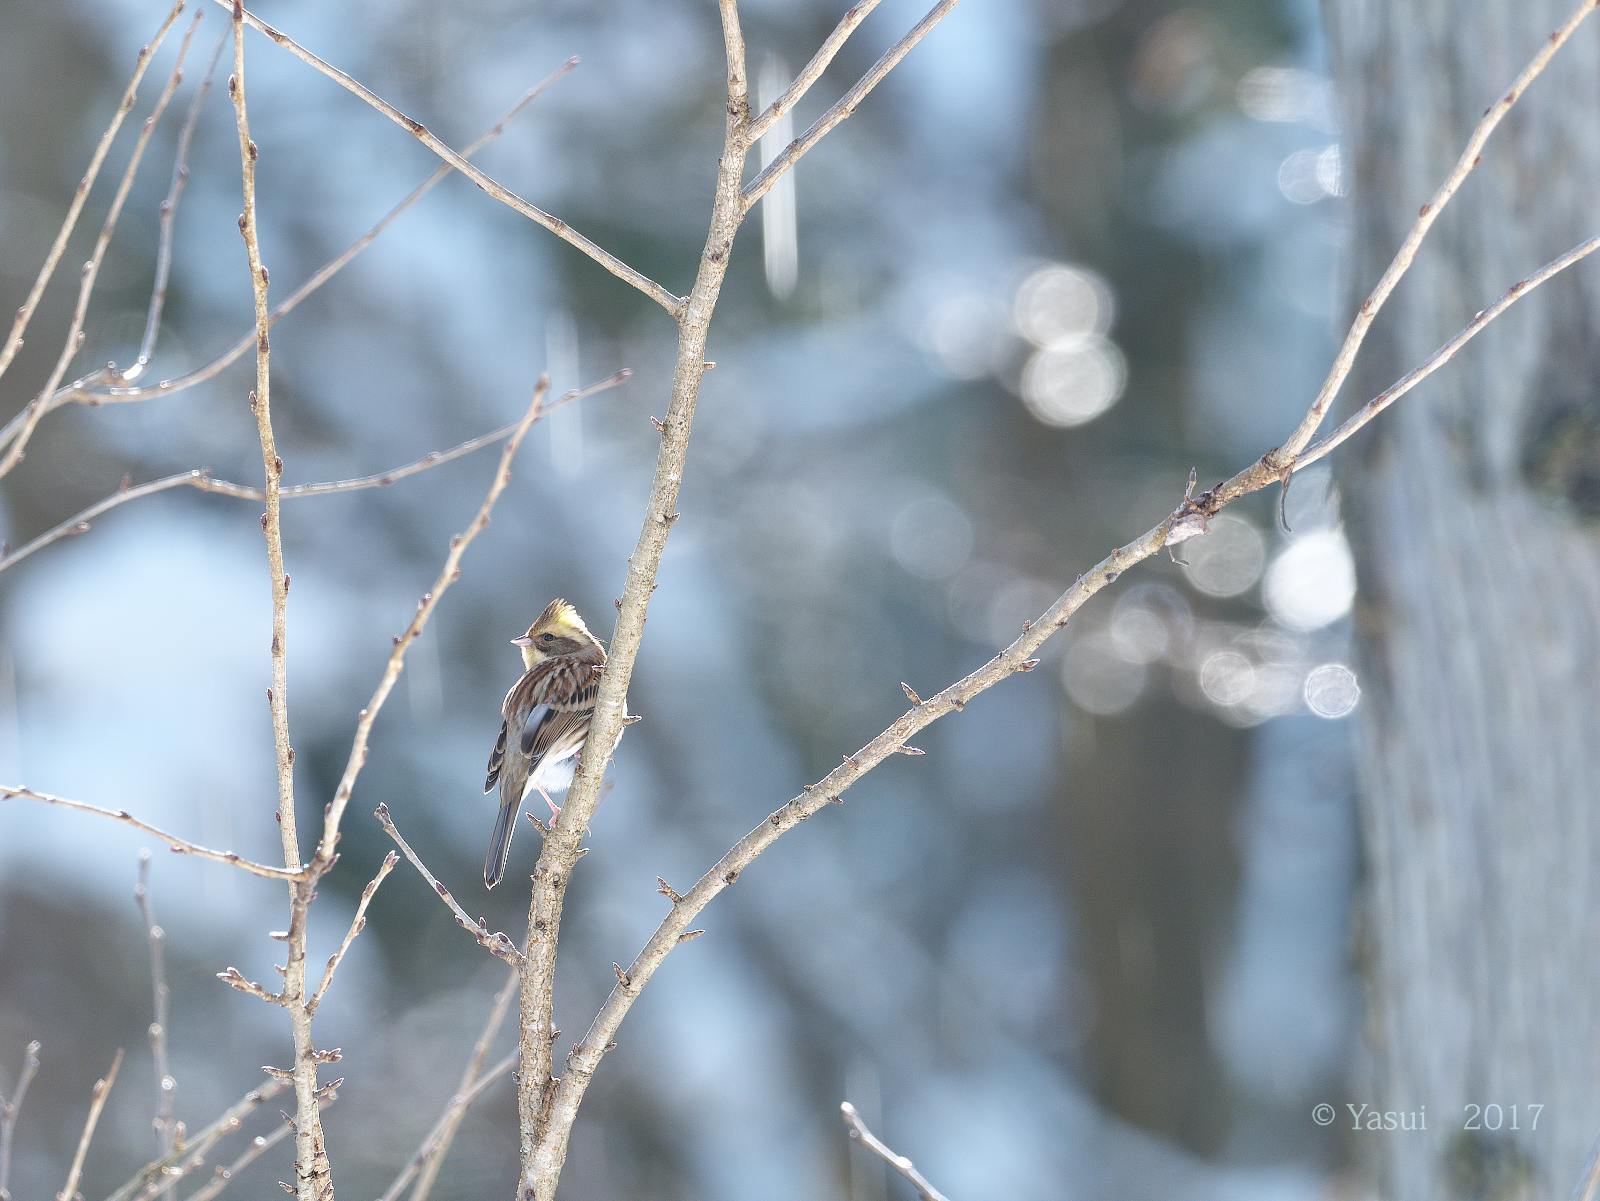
1093,944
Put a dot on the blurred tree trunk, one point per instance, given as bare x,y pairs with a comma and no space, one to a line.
1475,514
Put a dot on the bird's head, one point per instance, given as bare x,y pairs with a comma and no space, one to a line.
558,631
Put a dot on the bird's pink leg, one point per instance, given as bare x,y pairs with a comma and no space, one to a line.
555,809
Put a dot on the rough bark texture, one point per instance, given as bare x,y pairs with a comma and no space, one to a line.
1475,517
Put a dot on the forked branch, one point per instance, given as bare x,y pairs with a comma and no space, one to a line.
1471,156
846,104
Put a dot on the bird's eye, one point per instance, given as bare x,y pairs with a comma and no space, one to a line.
547,639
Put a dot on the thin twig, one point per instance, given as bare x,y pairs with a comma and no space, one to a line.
181,846
166,1086
120,395
846,106
357,925
496,943
224,1176
485,182
39,405
97,1102
79,523
234,978
437,1145
1471,156
200,478
169,214
900,1163
194,1156
80,194
162,1168
10,1109
813,70
445,1127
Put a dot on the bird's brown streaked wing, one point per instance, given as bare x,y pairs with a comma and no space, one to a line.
551,706
496,759
557,734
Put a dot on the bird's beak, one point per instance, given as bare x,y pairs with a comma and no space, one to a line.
523,641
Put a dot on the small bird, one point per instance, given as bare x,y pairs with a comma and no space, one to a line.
545,718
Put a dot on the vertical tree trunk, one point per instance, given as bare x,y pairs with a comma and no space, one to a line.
1475,514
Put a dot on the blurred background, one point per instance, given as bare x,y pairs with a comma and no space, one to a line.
1093,944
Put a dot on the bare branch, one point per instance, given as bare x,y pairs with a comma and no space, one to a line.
169,214
181,846
485,182
900,1163
313,1174
79,523
80,194
10,1109
846,106
272,464
496,944
357,925
121,395
437,1145
199,478
39,405
1426,216
97,1102
445,1128
167,1169
1444,354
166,1086
813,70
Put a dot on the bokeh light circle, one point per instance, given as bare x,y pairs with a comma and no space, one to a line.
1228,559
1227,678
1313,582
931,537
1071,383
1059,303
1098,678
1332,690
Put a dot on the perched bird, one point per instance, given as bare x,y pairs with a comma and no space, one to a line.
545,718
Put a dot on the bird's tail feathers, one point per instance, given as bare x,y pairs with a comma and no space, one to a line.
494,865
